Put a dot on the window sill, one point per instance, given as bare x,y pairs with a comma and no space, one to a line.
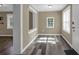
66,32
50,27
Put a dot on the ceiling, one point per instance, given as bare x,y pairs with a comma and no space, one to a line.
44,7
6,8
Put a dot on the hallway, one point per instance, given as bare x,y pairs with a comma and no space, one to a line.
48,45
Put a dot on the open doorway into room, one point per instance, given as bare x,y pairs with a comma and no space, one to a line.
6,29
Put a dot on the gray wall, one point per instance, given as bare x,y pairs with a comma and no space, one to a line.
42,22
17,29
28,37
25,25
3,27
21,37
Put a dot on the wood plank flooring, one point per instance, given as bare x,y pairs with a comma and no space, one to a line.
47,45
6,44
43,45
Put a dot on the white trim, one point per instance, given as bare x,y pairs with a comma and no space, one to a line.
32,9
66,40
49,34
9,20
49,11
66,9
33,30
21,24
53,22
29,44
6,35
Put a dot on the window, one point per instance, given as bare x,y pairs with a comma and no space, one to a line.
9,21
50,22
66,20
30,20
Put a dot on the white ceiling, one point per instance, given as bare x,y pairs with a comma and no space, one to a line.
6,8
44,7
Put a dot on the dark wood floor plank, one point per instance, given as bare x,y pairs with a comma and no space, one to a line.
6,45
43,52
39,52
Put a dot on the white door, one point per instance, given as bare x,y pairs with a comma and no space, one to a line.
75,27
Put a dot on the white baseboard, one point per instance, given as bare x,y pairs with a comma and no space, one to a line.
44,34
29,44
6,35
66,40
34,39
31,31
49,34
68,43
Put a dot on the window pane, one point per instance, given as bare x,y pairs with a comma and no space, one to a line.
50,23
66,20
9,21
30,20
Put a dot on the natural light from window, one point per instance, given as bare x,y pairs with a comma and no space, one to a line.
66,20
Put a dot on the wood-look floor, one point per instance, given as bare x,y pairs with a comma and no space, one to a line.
41,46
6,44
44,45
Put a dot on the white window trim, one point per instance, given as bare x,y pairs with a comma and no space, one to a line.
66,8
8,21
31,9
53,22
62,15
